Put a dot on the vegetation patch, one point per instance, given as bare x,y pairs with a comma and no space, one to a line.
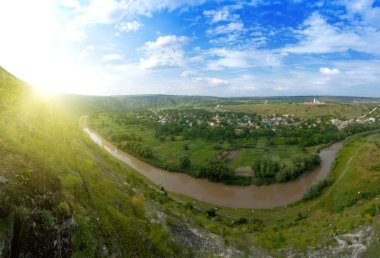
316,190
279,147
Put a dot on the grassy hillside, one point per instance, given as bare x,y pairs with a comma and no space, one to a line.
60,194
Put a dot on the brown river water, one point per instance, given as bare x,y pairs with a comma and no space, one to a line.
267,196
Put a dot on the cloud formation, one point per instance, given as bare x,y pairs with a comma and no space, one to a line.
211,81
328,71
165,52
129,26
111,57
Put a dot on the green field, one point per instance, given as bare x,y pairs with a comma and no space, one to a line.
350,203
282,153
199,150
347,110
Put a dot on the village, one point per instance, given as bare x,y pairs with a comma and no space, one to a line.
192,117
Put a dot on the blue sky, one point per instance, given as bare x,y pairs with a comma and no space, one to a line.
221,48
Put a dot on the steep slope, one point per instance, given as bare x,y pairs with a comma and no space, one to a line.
59,194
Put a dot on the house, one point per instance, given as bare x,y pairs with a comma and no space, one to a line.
314,102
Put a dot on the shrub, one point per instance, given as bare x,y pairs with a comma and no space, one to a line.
184,161
241,221
211,212
64,210
216,170
315,190
217,146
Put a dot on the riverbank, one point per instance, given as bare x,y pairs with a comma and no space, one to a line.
338,211
257,197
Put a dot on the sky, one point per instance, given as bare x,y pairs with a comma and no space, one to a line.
194,47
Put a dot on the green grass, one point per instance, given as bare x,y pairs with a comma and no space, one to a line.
304,111
199,150
281,153
168,150
339,210
37,135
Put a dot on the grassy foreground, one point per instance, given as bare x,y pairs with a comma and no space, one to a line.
350,203
47,163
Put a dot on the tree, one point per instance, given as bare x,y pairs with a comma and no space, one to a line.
216,170
184,161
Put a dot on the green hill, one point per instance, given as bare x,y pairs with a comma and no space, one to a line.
60,195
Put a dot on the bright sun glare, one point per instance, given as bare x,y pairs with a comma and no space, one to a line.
32,49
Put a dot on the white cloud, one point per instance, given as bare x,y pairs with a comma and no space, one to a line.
189,73
318,36
212,81
165,52
231,27
220,58
112,12
129,26
364,9
217,16
86,51
281,88
69,3
328,71
256,3
111,57
99,12
170,41
148,7
357,6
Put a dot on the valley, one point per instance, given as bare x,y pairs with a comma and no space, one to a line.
66,189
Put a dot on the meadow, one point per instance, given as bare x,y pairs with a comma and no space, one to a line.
168,149
340,110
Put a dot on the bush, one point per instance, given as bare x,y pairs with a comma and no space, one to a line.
211,212
267,170
315,190
64,210
217,146
241,221
216,170
184,161
173,168
137,149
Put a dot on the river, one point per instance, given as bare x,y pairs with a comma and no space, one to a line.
266,196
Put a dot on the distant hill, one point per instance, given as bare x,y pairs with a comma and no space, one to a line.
115,103
86,104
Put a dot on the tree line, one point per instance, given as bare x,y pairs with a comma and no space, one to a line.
270,171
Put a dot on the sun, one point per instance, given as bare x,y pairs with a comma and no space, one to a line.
31,47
